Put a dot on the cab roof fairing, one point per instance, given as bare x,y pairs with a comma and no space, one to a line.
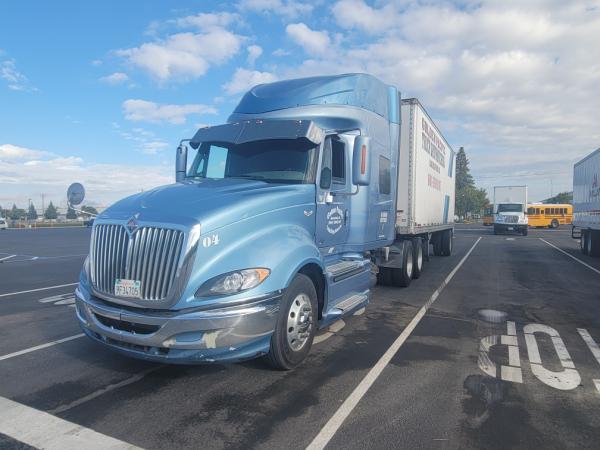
355,89
259,129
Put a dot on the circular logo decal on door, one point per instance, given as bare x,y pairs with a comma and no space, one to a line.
335,218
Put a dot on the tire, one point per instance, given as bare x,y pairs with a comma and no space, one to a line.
288,347
418,258
554,224
402,276
496,230
384,277
525,231
436,241
446,242
593,243
583,242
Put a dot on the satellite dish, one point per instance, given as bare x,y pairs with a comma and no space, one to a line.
75,194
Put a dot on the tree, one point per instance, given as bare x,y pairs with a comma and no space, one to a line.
51,212
469,199
32,213
16,213
90,210
563,197
71,214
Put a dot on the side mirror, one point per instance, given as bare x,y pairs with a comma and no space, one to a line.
180,163
361,166
325,182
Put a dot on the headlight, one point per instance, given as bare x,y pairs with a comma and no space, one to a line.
233,282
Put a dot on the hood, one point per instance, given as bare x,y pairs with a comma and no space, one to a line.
212,202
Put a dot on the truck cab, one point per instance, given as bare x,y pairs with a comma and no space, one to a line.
510,209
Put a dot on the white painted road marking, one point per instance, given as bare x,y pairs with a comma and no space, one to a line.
7,257
564,380
512,372
43,430
40,347
39,289
593,348
336,421
62,299
571,256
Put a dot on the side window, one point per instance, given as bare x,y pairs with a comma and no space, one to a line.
385,176
530,210
338,161
537,210
217,158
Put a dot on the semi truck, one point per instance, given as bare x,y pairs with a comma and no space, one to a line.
510,209
586,204
280,222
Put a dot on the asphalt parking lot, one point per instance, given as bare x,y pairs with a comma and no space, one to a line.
495,346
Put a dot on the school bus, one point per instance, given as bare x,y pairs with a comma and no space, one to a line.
550,215
488,215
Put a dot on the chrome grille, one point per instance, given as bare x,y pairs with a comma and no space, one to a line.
512,219
151,255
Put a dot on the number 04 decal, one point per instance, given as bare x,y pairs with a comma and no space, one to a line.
211,240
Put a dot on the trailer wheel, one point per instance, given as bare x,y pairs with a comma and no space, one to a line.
583,242
446,242
417,257
403,275
296,325
436,241
554,223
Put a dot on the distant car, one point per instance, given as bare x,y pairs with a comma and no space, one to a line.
3,224
89,222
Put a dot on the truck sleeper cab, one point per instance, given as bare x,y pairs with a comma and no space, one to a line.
275,228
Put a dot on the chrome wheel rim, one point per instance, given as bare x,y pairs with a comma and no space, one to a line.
299,322
420,258
409,267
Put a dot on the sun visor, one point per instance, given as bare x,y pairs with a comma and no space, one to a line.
258,130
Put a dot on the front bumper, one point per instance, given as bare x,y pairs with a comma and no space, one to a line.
227,334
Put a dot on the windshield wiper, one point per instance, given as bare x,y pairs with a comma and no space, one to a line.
249,177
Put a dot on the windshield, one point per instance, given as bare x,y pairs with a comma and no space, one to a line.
510,207
273,161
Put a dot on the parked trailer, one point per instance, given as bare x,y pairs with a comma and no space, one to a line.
586,204
277,225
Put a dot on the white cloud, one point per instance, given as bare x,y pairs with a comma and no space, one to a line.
357,14
15,80
243,79
313,42
184,56
280,52
143,110
14,152
115,78
254,52
287,8
206,21
25,178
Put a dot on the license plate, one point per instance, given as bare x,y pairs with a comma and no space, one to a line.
127,288
511,228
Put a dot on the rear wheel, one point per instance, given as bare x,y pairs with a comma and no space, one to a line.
554,223
403,275
446,242
296,325
417,257
436,241
384,277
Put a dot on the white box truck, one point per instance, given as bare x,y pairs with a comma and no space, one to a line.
510,209
586,203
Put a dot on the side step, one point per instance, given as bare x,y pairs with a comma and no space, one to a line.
342,268
351,302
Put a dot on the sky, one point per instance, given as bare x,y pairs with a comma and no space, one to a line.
102,92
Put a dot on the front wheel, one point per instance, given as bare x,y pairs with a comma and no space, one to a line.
554,223
296,325
525,231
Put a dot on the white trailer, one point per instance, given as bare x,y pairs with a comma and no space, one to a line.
586,203
424,200
510,206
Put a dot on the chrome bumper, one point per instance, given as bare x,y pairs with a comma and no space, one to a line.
224,334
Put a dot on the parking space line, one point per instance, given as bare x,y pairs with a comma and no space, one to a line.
7,257
571,256
336,421
42,430
39,289
40,347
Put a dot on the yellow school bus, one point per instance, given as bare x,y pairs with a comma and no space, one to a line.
550,215
488,215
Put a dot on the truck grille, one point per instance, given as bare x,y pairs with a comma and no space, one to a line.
512,219
150,255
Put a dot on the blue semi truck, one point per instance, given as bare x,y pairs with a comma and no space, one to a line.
280,222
